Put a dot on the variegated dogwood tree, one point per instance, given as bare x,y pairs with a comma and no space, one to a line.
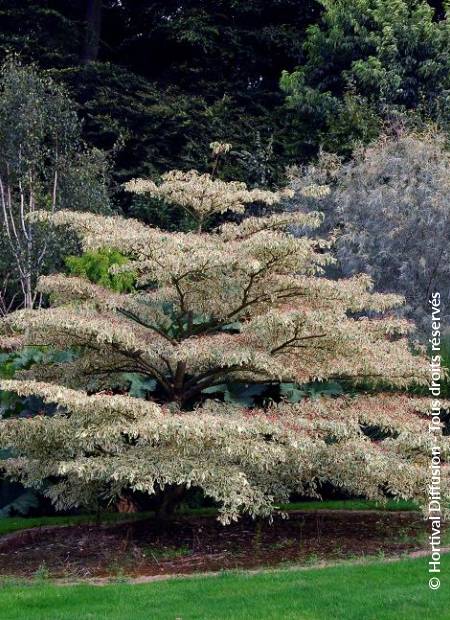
243,304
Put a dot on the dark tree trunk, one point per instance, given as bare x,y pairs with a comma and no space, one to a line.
93,29
170,499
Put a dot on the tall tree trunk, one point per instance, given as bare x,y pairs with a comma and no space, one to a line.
93,29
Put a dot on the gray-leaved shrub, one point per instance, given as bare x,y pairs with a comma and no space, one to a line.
390,206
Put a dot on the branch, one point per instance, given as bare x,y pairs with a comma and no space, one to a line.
133,317
295,339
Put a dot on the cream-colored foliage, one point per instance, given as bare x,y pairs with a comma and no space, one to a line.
244,303
222,449
201,194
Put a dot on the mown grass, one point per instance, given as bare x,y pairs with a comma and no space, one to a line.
13,524
351,504
372,591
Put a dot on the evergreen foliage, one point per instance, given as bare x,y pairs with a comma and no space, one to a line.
169,77
367,62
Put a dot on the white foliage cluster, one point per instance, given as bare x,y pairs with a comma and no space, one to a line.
243,303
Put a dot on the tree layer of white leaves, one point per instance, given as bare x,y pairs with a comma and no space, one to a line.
243,303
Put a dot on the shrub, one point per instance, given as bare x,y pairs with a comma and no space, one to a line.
391,206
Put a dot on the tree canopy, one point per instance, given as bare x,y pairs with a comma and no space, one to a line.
44,164
241,305
167,78
370,61
156,82
390,206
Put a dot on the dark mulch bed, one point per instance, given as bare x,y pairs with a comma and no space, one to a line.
201,544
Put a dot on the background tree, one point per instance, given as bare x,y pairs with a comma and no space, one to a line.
170,77
93,30
43,165
240,310
391,206
366,62
45,32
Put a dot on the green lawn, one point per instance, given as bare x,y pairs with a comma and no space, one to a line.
13,524
351,504
397,591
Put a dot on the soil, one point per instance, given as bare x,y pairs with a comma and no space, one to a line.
201,544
